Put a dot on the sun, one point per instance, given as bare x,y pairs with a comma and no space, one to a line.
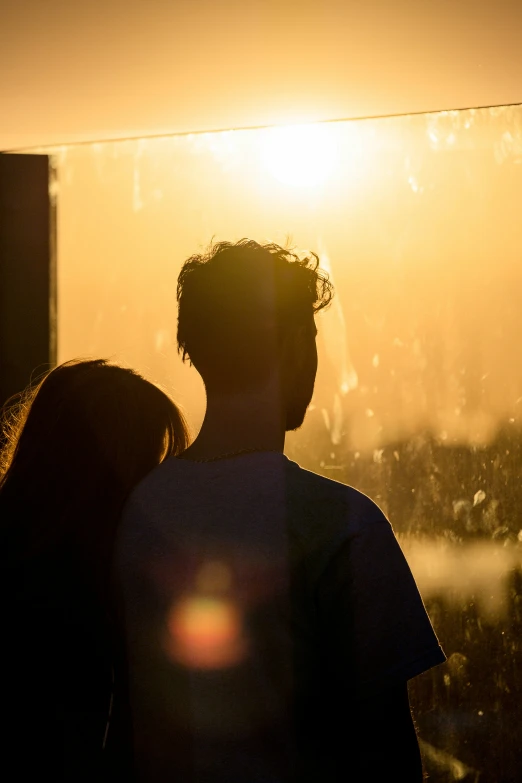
299,155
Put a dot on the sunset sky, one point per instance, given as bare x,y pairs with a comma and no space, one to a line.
103,69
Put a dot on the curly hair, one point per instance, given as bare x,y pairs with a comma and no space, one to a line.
237,300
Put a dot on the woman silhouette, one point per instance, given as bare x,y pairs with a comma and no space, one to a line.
74,447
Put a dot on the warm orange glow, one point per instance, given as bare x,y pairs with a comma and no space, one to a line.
205,633
300,154
420,335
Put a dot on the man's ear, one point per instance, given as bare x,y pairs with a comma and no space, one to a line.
293,346
294,353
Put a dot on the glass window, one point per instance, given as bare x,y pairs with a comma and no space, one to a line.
419,394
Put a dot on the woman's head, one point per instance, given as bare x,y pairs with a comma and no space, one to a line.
77,445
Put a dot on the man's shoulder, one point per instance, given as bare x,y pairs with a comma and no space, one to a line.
155,490
325,495
325,515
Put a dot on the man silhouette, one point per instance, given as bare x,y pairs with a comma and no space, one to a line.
272,621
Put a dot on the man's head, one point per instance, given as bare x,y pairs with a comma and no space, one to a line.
246,315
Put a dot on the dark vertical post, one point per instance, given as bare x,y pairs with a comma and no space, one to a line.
27,271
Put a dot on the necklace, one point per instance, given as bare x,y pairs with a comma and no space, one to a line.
229,455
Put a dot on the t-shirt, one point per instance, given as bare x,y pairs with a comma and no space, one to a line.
259,598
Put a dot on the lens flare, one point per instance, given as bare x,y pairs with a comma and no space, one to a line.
205,629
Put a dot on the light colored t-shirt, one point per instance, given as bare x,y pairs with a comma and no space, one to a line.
259,598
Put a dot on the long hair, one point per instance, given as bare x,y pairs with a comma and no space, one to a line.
75,446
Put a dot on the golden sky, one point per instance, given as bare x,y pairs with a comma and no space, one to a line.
103,69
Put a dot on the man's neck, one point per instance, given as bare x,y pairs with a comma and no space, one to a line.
237,423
